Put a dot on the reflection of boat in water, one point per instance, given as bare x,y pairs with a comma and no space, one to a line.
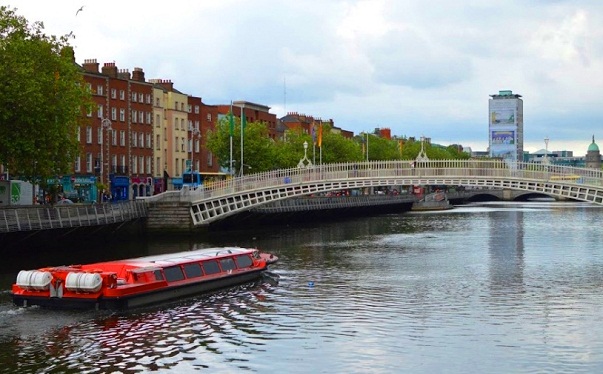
435,201
140,281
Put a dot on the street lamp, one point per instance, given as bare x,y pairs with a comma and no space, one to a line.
546,150
106,125
194,131
305,162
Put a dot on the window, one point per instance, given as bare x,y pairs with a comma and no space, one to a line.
177,149
158,275
158,164
134,165
149,140
99,135
193,270
157,102
190,125
158,142
99,89
134,96
197,125
182,107
209,117
182,124
122,138
76,166
123,162
134,116
134,139
141,97
149,164
114,163
196,109
122,114
99,111
243,261
113,93
149,118
113,114
173,273
210,267
141,116
158,120
89,114
196,145
227,264
122,95
89,162
176,105
88,135
79,134
189,108
141,164
141,140
178,168
114,137
182,145
148,98
210,159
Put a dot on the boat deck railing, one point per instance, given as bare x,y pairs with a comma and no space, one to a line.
44,217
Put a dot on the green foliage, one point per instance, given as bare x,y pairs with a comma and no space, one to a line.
42,98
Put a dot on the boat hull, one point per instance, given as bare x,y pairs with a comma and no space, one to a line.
140,299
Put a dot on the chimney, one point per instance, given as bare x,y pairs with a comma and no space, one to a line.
110,69
165,83
123,74
68,51
91,65
138,75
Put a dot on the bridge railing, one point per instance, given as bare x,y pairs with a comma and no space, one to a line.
42,217
405,170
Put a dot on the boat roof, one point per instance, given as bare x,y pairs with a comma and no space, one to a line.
181,257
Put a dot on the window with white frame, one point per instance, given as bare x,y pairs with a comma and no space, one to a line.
141,97
134,165
182,124
99,135
114,137
197,125
122,95
148,101
189,109
114,163
99,111
196,145
141,140
88,135
196,109
209,117
141,116
79,135
122,114
123,162
141,163
149,140
157,101
122,138
134,96
157,165
210,159
99,89
149,118
90,87
158,142
134,139
113,93
77,166
134,116
149,164
113,114
88,162
190,125
158,120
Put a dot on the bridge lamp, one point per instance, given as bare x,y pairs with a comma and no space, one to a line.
546,150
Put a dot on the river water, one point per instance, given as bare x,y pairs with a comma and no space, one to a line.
490,287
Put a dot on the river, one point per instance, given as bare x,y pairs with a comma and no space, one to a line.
488,287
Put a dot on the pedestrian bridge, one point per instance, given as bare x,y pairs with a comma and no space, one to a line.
216,201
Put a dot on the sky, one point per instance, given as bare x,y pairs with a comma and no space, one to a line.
420,68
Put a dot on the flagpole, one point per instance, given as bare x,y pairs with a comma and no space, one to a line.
230,131
242,123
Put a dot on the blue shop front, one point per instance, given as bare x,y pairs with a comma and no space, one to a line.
120,186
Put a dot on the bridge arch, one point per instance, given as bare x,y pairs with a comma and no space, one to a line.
222,199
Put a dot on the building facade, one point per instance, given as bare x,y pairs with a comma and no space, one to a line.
505,130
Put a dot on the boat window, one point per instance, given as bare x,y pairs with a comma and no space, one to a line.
158,275
192,270
173,273
211,267
227,264
243,261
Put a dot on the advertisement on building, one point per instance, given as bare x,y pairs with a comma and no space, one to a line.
502,137
502,112
503,144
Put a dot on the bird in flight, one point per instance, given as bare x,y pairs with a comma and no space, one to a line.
79,10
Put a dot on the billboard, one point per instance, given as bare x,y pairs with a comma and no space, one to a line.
502,137
502,112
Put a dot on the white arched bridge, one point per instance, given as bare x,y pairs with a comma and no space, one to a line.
218,200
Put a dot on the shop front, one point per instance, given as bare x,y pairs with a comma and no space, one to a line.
142,187
120,187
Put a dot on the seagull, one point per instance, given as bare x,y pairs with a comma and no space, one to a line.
79,10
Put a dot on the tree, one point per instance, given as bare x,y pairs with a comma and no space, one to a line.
42,99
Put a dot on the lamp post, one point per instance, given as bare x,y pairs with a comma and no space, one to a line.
194,131
367,142
305,162
546,150
106,125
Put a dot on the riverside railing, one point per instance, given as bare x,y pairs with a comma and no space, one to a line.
411,171
45,217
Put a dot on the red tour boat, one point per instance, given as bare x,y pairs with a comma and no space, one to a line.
125,284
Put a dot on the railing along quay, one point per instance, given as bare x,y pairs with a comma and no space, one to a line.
45,217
